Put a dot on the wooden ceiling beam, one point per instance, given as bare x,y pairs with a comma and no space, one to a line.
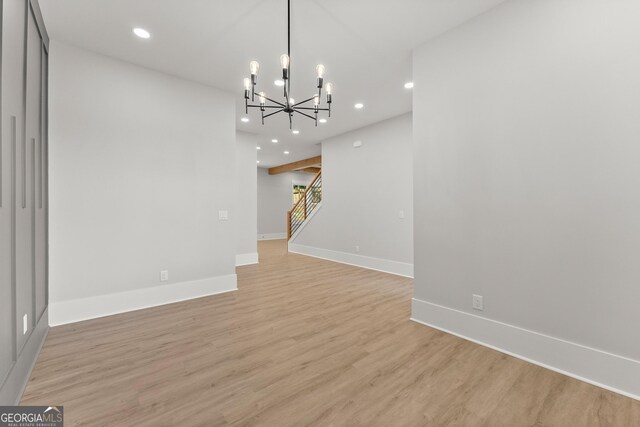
300,164
311,169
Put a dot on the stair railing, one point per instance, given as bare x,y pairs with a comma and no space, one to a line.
311,197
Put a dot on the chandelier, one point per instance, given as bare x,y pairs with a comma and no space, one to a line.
288,105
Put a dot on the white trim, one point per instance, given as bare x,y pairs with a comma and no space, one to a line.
378,264
63,312
246,259
610,371
272,236
305,222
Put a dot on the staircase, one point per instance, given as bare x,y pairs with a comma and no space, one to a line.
307,204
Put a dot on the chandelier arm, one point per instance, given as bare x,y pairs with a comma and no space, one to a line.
271,114
274,101
312,109
304,114
265,106
306,100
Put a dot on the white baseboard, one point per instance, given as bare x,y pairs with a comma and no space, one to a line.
246,259
610,371
272,236
378,264
64,312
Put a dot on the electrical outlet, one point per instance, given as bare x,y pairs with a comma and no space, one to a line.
223,215
25,324
401,214
357,248
478,302
164,275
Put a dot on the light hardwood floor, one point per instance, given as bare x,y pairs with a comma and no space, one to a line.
303,342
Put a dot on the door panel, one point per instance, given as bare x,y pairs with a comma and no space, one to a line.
26,180
11,112
40,245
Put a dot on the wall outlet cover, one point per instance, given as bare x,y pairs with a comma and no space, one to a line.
223,215
164,275
478,302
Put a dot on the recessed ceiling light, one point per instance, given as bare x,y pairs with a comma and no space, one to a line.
359,105
286,152
323,120
295,132
275,141
142,33
279,82
408,85
244,119
258,147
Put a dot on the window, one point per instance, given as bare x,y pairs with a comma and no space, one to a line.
298,191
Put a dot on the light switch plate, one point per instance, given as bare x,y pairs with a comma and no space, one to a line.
223,215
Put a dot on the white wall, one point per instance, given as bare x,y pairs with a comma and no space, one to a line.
246,209
364,191
140,165
275,199
526,150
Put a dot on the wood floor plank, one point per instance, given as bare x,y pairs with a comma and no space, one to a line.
302,342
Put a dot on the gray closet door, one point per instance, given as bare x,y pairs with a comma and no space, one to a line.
40,206
23,193
12,111
25,186
6,205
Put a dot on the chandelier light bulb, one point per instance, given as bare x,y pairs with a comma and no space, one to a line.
320,70
329,88
316,100
261,98
247,83
292,101
254,67
284,61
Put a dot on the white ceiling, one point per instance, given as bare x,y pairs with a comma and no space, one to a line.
365,46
